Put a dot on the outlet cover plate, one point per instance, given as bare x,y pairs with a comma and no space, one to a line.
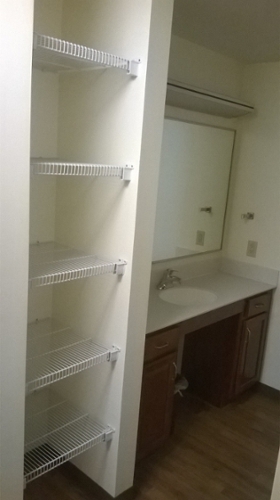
252,248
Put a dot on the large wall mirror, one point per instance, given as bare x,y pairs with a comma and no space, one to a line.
193,189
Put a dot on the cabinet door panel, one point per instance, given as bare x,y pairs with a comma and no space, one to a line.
156,404
251,353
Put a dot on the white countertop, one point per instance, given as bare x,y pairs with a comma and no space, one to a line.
227,287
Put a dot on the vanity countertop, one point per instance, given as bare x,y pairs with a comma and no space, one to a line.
227,287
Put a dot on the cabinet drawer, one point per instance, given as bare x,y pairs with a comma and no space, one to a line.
161,343
257,305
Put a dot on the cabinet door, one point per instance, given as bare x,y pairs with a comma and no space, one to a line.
156,404
251,352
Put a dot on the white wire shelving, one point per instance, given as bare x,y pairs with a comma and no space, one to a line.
55,54
51,263
41,166
55,352
57,434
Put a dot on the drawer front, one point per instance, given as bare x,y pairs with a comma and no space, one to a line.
258,305
160,344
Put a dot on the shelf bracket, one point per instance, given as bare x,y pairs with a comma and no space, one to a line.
120,267
114,353
133,68
108,434
127,173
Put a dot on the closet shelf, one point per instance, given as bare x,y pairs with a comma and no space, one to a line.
55,352
182,95
58,434
55,54
47,167
51,263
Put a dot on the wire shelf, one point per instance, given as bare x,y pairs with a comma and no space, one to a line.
51,263
54,353
58,434
60,55
44,167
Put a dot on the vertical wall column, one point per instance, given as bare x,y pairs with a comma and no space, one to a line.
157,65
16,41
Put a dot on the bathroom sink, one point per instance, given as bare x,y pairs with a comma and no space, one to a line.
188,296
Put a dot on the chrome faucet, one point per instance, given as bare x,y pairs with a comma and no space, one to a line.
168,279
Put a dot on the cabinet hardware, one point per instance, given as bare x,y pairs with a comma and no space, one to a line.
162,346
259,305
176,371
248,335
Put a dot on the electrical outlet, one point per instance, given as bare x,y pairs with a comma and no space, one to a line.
252,248
200,235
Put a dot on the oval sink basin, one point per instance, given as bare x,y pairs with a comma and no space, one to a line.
187,296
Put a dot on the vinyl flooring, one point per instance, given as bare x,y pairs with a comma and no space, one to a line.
213,454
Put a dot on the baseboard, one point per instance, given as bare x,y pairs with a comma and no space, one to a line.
266,389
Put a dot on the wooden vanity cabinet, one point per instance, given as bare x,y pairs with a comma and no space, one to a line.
157,390
252,342
222,357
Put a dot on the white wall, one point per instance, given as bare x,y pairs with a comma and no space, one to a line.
255,187
16,52
160,30
198,66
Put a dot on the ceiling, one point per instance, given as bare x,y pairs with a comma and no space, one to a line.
246,30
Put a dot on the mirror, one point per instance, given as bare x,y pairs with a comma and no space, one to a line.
193,189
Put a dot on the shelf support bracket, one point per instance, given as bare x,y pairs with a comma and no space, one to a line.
114,353
133,68
108,434
120,267
127,173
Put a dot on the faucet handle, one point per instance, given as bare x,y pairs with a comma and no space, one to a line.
170,272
